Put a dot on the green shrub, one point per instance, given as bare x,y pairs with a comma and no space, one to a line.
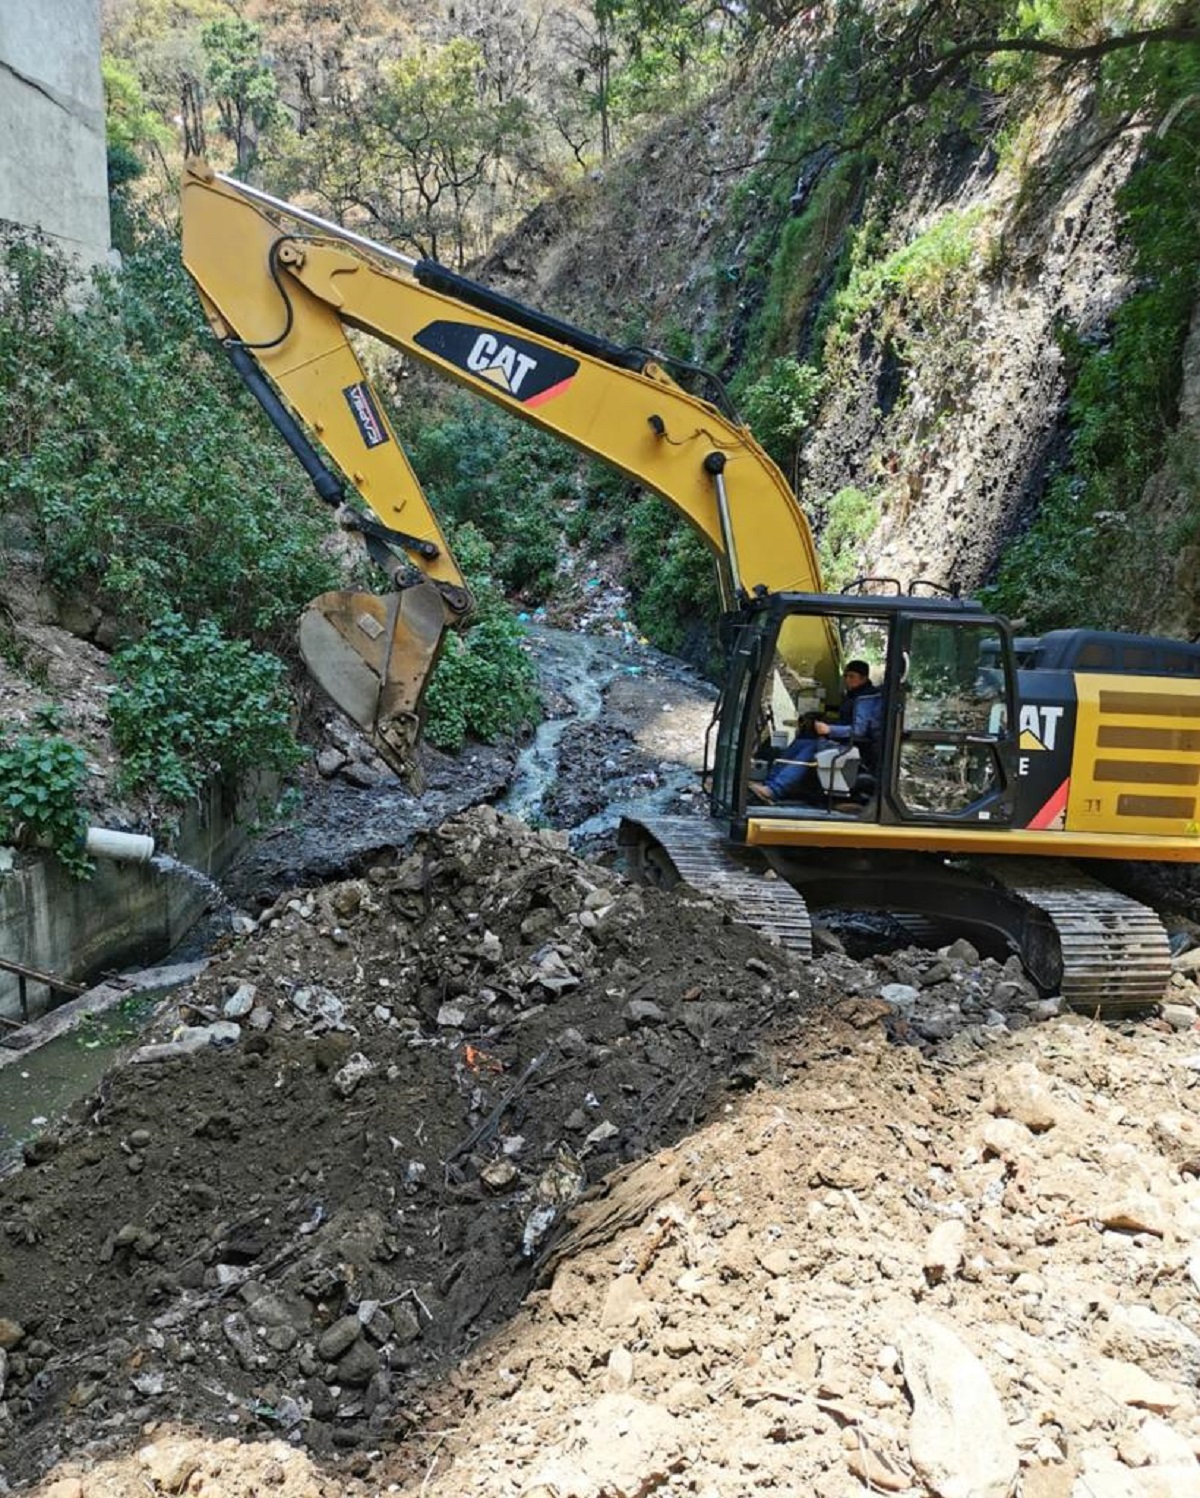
779,406
850,517
151,481
927,273
41,779
190,704
484,685
671,575
516,484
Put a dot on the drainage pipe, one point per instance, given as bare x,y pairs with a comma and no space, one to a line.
122,847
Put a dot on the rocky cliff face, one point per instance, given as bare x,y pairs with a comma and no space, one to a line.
953,415
946,389
1171,496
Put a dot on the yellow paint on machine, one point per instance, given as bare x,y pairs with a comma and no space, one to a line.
799,832
1135,771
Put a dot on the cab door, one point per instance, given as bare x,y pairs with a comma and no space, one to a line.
951,746
751,637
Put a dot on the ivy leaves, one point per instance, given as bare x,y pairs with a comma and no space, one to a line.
40,780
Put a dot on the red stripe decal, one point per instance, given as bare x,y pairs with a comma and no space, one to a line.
548,395
1053,808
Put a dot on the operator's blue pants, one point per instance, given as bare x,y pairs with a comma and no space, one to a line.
785,781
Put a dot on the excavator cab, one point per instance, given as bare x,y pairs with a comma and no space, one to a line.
938,747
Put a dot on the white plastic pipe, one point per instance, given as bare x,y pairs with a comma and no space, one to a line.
123,847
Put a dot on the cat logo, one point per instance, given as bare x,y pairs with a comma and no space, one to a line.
1039,726
499,362
524,371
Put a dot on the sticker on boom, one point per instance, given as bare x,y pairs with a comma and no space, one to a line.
524,370
366,413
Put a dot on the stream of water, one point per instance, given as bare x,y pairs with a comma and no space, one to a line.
578,667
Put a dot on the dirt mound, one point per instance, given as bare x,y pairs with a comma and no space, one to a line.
488,1172
434,1061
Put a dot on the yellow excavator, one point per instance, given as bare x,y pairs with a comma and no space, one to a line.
989,768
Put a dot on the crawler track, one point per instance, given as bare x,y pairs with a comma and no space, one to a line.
1112,952
1105,953
694,850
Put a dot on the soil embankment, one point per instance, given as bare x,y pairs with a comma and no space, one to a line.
467,1167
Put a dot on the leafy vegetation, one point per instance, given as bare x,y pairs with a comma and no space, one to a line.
675,601
484,686
779,407
149,485
191,704
41,777
925,273
149,478
514,483
850,517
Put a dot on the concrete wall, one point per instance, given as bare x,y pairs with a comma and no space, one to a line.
126,913
53,172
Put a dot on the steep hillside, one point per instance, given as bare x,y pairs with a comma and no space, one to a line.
988,302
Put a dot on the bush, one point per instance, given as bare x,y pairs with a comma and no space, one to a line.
779,406
484,685
850,517
190,704
150,480
41,778
671,572
512,482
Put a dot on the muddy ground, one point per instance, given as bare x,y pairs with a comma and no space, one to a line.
467,1167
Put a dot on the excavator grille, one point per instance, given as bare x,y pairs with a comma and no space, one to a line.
1136,769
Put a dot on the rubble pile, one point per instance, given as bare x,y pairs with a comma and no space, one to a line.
487,1172
345,1161
882,1276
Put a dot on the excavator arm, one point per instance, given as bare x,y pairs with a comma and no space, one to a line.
282,288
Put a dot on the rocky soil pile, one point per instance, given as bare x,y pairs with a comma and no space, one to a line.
487,1172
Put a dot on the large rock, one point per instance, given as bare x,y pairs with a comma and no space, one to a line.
622,1448
1020,1092
958,1437
1158,1344
1109,1479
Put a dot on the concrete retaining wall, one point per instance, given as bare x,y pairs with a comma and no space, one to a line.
53,161
125,914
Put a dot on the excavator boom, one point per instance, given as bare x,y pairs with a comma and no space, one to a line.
959,798
283,289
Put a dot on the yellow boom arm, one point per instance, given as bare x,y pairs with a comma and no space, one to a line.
286,295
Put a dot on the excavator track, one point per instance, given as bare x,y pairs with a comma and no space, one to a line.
1113,953
695,850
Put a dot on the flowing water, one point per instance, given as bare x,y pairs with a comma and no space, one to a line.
166,864
578,667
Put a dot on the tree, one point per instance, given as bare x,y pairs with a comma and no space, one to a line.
242,84
416,155
896,58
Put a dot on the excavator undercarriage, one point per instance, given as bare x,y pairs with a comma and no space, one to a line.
1103,952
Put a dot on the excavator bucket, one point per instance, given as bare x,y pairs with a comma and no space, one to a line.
374,655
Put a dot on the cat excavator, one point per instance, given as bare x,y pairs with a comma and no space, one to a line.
996,772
